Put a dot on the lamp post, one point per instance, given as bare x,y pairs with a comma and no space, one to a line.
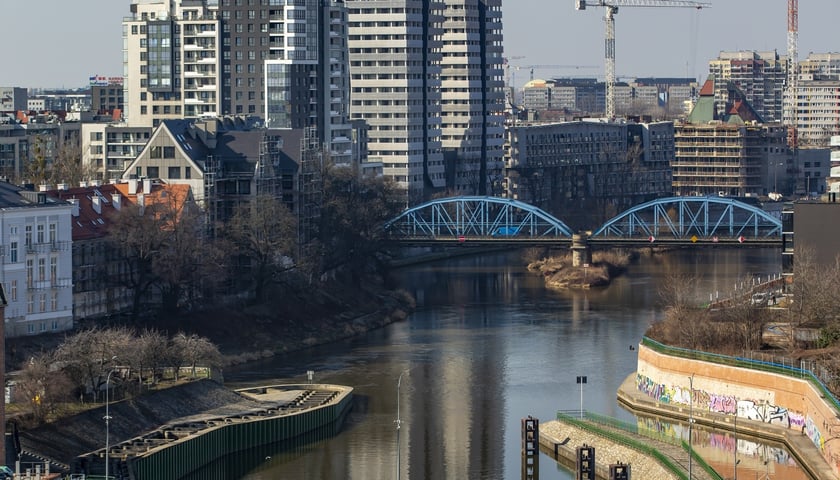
398,421
690,420
735,435
581,380
107,421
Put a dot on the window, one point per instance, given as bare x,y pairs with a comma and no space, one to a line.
30,307
187,173
168,152
174,172
40,233
53,269
53,233
42,268
54,304
13,252
29,235
153,172
30,271
13,293
43,305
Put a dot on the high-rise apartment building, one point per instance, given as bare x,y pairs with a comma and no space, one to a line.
396,50
428,78
171,61
760,76
472,96
285,61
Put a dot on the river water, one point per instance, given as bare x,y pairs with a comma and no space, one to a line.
487,346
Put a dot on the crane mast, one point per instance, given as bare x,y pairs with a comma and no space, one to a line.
610,11
792,113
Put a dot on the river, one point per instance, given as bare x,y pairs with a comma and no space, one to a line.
487,346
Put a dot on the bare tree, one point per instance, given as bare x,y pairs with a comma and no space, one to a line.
816,298
44,387
352,216
264,233
137,236
195,350
89,355
184,251
69,167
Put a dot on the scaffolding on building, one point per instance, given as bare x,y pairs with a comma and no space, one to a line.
309,189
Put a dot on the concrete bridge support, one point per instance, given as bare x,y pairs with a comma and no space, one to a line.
581,253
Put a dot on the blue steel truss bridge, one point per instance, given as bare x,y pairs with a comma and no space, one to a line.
673,221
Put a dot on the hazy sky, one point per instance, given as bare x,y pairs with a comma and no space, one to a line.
60,43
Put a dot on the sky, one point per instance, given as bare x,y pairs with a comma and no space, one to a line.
60,43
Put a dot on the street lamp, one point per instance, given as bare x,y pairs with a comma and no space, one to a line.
690,420
398,422
108,420
735,434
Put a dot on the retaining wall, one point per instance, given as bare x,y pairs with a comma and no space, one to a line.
794,403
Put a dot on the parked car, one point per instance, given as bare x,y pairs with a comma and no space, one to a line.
6,473
760,299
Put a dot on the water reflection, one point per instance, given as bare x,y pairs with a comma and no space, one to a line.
487,346
718,448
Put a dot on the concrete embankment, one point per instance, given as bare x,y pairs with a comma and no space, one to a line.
778,405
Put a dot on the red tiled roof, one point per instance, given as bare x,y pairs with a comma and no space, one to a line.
90,225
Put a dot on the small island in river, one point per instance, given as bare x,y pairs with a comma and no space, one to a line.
559,273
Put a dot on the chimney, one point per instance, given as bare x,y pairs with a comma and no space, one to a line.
132,186
43,187
147,185
75,203
62,186
97,204
96,183
141,202
116,200
83,184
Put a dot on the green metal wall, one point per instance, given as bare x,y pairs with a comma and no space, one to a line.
178,459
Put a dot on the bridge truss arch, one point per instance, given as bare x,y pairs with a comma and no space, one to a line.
475,217
684,217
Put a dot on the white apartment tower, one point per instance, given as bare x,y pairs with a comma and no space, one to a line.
396,50
171,60
472,96
307,77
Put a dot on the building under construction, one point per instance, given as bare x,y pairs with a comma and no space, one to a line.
588,168
733,154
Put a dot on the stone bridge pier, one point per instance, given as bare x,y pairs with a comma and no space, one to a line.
581,252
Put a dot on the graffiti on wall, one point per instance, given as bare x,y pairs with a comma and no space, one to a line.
726,404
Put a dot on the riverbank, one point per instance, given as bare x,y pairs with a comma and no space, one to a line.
293,319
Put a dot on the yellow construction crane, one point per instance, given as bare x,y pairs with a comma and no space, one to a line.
611,9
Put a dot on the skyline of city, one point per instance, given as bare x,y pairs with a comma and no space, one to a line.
89,48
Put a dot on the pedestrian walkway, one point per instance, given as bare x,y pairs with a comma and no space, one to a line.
565,438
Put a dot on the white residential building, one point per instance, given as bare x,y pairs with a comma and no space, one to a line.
472,96
395,65
36,261
171,61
